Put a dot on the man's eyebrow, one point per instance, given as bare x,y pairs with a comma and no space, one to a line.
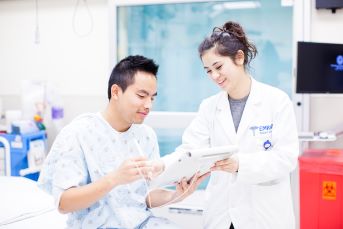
146,93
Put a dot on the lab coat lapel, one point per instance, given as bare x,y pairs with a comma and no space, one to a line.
225,118
250,110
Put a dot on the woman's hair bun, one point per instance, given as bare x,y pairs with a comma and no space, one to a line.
235,30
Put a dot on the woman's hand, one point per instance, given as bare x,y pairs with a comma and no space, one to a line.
229,165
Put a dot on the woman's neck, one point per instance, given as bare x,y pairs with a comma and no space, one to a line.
242,89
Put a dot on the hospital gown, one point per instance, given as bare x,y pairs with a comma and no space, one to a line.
86,150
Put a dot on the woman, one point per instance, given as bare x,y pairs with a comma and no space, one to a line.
251,190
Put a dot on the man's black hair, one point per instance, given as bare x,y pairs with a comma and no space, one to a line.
123,73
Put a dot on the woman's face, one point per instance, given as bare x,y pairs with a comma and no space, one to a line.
222,70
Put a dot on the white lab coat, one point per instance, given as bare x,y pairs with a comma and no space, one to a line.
259,195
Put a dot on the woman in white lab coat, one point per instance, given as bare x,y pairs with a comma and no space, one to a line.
252,189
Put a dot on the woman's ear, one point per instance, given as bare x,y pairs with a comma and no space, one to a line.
239,58
115,91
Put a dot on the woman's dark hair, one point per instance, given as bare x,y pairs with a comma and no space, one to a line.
227,40
124,72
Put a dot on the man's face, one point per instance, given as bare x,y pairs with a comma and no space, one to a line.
136,102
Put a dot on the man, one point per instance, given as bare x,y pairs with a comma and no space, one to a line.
98,165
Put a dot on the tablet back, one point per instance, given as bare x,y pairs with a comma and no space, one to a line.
191,161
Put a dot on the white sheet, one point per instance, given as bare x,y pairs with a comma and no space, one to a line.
51,220
23,203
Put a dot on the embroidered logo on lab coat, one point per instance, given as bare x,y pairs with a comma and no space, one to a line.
263,129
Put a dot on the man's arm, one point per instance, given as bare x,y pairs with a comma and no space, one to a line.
76,198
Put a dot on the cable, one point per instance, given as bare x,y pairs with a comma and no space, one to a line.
90,17
37,34
140,171
176,199
124,217
147,185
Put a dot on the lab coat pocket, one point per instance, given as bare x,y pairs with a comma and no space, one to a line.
266,194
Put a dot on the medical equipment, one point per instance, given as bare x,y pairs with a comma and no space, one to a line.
5,157
317,136
23,127
319,68
320,174
42,98
187,213
192,161
27,152
10,117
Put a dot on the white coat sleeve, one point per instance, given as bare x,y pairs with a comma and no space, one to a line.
277,162
196,135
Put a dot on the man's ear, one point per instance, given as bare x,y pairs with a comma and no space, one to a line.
239,58
115,91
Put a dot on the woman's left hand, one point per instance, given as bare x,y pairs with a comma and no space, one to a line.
229,165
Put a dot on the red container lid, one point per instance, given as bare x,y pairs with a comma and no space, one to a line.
328,161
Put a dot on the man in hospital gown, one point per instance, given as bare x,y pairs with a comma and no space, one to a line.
99,164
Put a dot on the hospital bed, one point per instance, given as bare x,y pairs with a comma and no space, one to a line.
24,205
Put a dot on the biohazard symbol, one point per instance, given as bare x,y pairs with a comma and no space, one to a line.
329,190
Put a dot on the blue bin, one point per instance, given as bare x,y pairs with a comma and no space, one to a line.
20,146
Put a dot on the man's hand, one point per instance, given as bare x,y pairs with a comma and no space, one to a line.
76,198
131,170
161,197
185,188
158,168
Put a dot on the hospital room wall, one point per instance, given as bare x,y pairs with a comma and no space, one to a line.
79,66
325,110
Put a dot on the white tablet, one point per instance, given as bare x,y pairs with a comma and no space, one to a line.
191,161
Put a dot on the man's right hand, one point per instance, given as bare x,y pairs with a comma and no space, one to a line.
134,169
76,198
